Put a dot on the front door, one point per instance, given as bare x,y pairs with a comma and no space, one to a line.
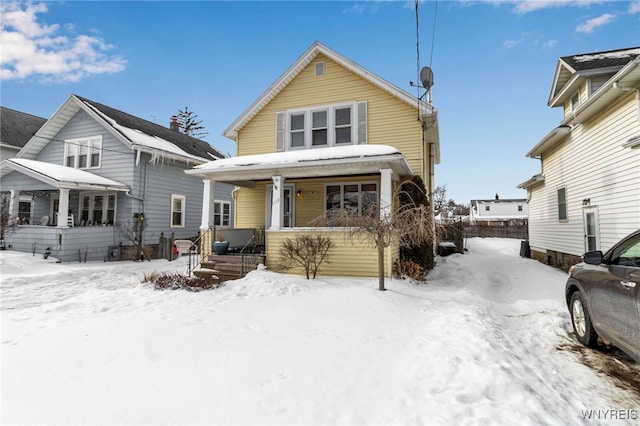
288,216
590,220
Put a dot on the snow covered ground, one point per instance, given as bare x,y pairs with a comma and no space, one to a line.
486,341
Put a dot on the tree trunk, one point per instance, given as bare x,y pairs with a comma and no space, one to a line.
381,267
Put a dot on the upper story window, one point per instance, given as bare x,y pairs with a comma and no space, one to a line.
519,207
575,101
487,208
322,126
83,153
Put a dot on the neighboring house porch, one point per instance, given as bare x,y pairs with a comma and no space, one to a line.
55,201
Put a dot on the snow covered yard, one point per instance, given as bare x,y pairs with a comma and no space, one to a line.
486,341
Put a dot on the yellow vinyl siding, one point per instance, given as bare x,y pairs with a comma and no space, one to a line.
355,258
390,121
309,205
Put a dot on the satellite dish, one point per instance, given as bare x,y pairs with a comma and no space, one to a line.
426,76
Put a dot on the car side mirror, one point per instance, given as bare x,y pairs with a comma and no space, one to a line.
593,257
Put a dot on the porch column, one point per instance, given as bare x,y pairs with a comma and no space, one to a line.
276,202
63,208
386,198
14,202
208,198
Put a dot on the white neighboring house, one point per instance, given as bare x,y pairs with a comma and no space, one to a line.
499,212
587,195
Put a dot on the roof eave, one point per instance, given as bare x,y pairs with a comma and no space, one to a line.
549,141
316,168
532,182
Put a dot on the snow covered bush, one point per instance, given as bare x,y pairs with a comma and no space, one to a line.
176,281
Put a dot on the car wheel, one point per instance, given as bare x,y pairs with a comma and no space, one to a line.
581,321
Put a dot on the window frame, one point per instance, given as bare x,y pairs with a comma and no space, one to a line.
221,215
342,191
331,126
183,211
562,206
73,149
88,219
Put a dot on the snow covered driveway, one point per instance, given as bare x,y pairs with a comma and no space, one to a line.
484,342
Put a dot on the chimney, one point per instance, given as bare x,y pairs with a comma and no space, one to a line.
497,197
173,125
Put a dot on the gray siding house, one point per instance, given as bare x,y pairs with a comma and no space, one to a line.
16,130
90,169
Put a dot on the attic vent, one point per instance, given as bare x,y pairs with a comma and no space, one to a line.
319,69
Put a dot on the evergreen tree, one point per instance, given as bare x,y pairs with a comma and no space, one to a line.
189,125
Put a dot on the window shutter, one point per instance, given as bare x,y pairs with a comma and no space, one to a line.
280,130
362,122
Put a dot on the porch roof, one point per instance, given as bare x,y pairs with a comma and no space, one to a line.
320,162
60,176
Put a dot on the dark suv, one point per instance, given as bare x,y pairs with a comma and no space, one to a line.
603,296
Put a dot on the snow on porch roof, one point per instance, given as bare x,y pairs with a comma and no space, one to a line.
352,155
61,176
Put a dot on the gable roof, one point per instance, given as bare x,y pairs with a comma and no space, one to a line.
571,69
316,49
18,127
137,133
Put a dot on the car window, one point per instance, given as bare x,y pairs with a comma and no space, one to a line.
628,253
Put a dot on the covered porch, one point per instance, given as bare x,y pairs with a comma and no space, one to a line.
285,192
63,209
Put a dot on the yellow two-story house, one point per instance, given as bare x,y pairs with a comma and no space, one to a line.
328,134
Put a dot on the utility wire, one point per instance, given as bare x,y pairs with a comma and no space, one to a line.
433,34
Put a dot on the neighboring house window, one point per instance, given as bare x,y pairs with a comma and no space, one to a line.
354,197
487,208
575,101
97,209
320,127
178,204
83,153
221,213
319,69
562,204
24,210
519,208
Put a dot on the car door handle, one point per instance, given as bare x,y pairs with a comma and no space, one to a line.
629,284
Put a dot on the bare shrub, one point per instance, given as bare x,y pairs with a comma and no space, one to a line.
409,269
176,281
407,225
307,251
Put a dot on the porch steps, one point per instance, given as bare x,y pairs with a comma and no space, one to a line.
228,267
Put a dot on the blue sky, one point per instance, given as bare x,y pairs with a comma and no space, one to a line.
493,63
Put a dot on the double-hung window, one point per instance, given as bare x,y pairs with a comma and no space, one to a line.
83,153
321,127
178,206
562,204
221,213
353,197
